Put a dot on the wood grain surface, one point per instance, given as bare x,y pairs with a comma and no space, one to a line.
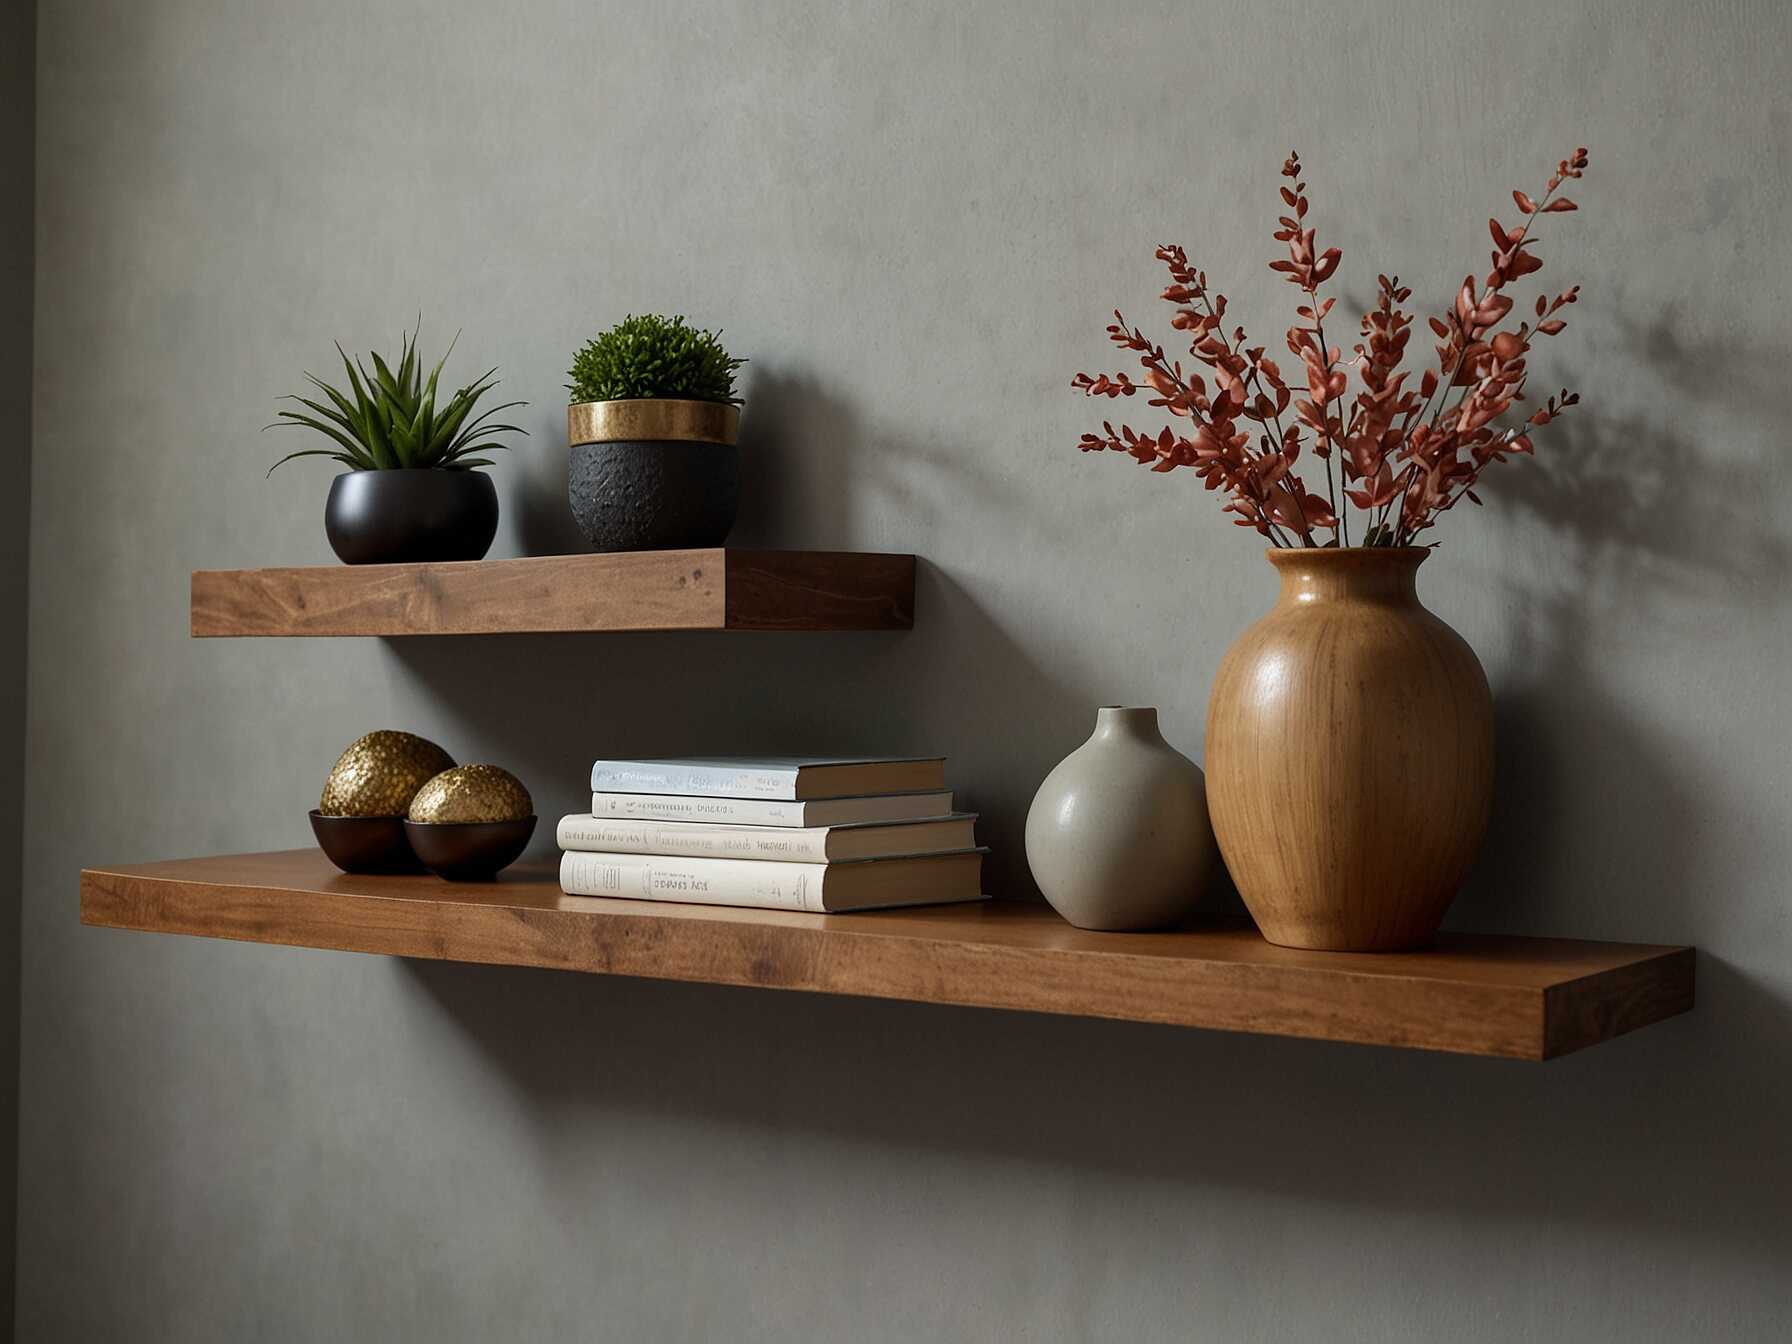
1349,756
1523,998
639,590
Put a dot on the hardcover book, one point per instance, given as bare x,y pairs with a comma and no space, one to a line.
784,778
819,888
769,812
792,844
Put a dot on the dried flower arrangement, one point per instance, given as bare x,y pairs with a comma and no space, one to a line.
1404,456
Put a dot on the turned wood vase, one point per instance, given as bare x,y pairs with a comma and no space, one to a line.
1349,756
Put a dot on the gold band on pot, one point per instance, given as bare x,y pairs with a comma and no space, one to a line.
629,421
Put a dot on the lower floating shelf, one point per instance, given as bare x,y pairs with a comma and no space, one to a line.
1522,998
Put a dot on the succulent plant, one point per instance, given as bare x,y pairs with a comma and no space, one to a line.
652,356
389,419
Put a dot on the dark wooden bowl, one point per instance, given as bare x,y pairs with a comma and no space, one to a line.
469,851
365,844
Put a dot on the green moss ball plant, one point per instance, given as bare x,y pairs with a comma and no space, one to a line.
654,357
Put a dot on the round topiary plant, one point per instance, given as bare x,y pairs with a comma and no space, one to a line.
654,357
653,430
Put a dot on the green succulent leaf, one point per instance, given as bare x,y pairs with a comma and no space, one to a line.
291,418
344,408
653,356
393,417
334,417
315,452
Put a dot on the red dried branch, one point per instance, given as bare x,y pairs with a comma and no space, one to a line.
1405,456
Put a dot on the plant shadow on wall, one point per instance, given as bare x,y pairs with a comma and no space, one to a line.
544,523
1613,824
811,469
1659,539
817,467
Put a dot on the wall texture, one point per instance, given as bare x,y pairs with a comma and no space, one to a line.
914,219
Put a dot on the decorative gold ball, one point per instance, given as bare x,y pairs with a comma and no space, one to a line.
380,773
472,793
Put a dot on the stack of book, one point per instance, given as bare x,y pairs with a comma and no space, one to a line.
782,833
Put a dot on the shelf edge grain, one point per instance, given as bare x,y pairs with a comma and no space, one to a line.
1005,956
713,589
1620,1000
819,590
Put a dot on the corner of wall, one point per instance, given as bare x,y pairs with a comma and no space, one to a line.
18,124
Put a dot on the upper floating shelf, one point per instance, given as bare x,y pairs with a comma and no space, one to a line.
1522,998
715,589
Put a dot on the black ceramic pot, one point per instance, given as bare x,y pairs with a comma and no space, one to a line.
653,475
469,851
654,496
365,844
386,517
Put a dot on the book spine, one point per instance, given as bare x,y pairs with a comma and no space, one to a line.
646,777
770,886
740,811
647,837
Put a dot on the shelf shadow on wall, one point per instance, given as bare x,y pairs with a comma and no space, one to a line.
963,682
1181,1117
1663,1133
545,706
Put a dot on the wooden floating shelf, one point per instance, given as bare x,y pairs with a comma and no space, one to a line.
1522,998
716,589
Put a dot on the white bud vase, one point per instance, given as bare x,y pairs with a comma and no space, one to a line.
1118,835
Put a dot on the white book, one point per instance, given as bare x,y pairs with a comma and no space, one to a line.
785,778
790,844
819,888
769,812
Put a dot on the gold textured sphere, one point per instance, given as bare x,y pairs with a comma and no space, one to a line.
472,793
380,773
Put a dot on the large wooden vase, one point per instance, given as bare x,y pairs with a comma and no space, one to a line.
1349,756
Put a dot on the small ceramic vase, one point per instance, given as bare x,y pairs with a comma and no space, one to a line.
1118,835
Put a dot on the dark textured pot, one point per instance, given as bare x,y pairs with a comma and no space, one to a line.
658,495
469,851
387,517
653,474
365,844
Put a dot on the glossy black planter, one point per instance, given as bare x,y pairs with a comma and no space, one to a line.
386,517
365,844
661,494
469,851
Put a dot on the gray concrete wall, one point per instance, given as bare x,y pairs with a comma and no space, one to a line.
914,219
17,136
